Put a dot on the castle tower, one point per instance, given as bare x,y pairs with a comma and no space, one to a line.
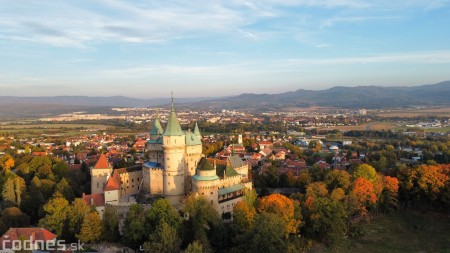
99,174
193,155
174,144
154,144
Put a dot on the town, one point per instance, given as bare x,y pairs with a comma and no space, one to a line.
119,174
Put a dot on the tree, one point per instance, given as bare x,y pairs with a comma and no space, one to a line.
56,211
201,217
13,217
364,194
338,179
164,239
161,212
19,189
267,235
134,227
64,188
6,162
110,224
77,212
315,146
326,220
365,171
60,169
316,189
8,193
337,194
243,215
91,230
389,197
194,247
283,207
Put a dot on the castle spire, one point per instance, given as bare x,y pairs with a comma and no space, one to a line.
173,127
196,130
173,108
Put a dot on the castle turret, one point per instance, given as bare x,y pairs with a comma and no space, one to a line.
174,143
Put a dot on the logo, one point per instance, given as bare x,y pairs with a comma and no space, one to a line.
53,245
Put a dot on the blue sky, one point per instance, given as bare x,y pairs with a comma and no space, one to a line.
196,48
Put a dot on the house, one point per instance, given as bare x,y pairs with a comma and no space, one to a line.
33,238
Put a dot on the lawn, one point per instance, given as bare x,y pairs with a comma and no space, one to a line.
409,231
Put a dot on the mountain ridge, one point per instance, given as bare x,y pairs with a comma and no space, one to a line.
370,97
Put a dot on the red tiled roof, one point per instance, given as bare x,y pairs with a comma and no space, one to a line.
40,234
113,183
217,161
102,163
98,199
75,167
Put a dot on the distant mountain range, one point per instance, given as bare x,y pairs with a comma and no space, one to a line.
116,101
341,97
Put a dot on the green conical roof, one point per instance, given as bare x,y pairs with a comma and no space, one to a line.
196,130
173,127
204,164
156,128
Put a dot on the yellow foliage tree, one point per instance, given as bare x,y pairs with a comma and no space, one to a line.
283,207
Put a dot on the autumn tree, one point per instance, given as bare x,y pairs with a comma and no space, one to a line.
364,194
425,180
316,189
338,179
91,230
389,196
194,247
56,211
8,193
64,188
6,162
77,212
283,207
365,171
325,219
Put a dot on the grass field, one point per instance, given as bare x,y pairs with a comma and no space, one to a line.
408,113
409,231
372,126
60,129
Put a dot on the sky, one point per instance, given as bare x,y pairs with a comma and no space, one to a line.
146,49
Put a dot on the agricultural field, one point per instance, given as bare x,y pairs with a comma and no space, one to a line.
38,129
411,113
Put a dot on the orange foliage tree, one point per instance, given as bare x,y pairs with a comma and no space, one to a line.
282,206
364,194
389,197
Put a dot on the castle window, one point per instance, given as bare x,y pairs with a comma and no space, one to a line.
211,193
98,185
132,180
212,202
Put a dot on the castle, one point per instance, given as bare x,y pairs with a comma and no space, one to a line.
176,167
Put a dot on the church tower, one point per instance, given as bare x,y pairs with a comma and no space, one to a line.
174,143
